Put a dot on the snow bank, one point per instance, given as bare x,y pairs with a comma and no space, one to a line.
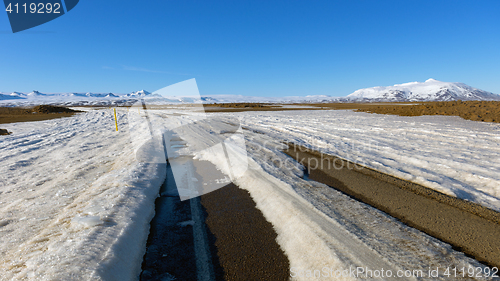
74,203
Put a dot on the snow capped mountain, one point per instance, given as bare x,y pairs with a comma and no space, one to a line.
35,94
139,94
12,96
91,95
430,90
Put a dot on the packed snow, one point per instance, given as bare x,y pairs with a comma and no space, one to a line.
76,203
454,156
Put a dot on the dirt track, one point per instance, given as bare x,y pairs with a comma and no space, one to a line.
240,241
468,227
245,240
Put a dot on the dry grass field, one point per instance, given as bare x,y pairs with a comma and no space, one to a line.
487,111
37,113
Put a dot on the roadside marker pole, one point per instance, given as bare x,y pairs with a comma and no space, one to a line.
116,122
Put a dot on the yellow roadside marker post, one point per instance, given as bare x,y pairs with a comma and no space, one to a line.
116,121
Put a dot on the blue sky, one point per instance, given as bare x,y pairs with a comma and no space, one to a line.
255,48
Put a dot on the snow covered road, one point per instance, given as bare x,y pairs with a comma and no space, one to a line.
76,205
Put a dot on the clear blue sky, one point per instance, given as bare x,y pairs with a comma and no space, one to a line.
257,48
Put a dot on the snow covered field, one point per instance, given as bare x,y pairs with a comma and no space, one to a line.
75,204
449,154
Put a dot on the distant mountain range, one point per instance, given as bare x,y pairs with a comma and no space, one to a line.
430,90
71,99
112,99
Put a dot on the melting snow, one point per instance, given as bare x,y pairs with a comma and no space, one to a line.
76,205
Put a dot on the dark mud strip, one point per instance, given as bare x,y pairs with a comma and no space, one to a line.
468,227
244,241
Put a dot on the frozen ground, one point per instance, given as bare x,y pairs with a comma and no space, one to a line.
451,155
75,204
